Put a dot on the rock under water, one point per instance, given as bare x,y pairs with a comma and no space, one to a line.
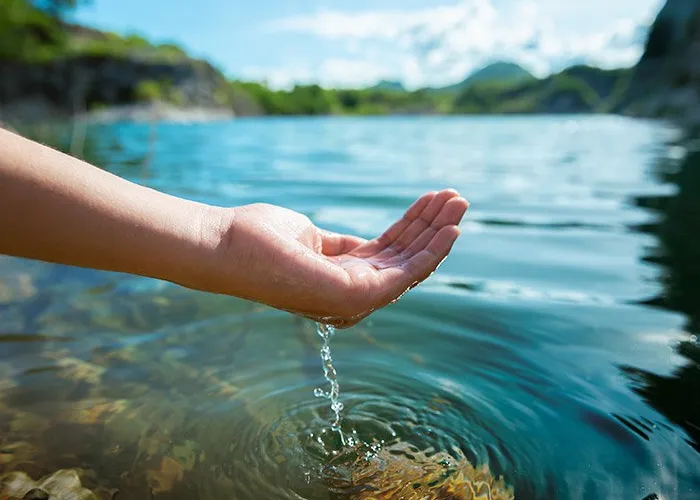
61,485
401,471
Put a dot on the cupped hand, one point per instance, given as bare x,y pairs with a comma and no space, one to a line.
278,257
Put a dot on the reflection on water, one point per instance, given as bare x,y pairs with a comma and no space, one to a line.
553,348
678,251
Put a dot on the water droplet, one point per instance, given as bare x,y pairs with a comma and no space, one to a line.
320,393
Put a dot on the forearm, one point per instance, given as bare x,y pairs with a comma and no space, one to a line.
56,208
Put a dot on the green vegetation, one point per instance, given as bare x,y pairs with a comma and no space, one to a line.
152,91
574,90
497,73
577,92
579,89
389,85
315,100
95,43
483,98
34,31
148,90
29,33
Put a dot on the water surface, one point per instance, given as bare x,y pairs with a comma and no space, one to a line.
556,344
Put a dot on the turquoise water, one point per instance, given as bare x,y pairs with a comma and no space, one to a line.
556,343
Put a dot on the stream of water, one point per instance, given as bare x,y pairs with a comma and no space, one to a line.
326,332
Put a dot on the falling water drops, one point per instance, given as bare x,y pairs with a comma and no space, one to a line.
329,372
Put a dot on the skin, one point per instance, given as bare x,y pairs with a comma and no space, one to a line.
59,209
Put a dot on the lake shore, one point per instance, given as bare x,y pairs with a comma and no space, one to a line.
140,112
156,111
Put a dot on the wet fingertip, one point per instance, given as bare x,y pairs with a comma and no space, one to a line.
459,203
454,231
465,207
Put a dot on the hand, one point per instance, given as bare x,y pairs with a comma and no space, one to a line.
278,257
73,213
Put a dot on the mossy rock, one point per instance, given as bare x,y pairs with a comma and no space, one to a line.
400,471
61,485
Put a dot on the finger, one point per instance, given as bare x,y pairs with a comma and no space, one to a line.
424,220
423,264
450,215
338,244
413,212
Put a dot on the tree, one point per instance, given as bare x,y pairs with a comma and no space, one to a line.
32,29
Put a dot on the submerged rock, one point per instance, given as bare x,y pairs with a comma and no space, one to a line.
401,472
61,485
168,474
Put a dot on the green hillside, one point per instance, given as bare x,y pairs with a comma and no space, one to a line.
498,73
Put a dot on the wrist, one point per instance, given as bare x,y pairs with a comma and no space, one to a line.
205,262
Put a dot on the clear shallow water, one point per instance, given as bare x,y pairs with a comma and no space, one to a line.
553,345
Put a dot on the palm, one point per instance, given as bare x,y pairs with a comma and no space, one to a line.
292,265
407,253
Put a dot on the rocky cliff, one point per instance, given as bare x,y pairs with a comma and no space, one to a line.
666,82
73,85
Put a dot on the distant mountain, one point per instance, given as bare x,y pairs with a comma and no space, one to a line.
498,72
578,89
389,85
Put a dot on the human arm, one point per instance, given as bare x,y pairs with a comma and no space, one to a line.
56,208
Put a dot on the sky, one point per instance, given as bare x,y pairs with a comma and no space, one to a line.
354,43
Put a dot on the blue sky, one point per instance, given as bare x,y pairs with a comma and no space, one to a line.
358,42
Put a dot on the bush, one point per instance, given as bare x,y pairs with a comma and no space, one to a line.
563,84
223,96
148,91
28,33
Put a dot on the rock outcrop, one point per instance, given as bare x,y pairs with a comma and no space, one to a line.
666,82
71,86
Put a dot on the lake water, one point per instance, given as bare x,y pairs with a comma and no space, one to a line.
556,344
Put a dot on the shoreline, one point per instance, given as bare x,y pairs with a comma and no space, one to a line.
37,113
156,111
166,113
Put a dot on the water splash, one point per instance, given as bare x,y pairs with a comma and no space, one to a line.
326,332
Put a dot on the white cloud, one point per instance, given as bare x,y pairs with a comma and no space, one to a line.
281,77
339,72
332,72
438,45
